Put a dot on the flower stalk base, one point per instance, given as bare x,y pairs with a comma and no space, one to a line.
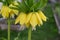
29,33
8,29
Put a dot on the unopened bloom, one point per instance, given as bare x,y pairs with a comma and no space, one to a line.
13,10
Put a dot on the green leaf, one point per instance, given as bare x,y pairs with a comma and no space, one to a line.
7,2
29,5
30,2
43,4
0,0
23,7
39,4
14,8
10,1
58,10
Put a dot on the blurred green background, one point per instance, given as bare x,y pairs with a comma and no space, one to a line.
48,31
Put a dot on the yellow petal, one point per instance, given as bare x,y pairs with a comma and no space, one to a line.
17,19
4,15
34,20
38,23
28,17
5,11
22,18
43,17
39,19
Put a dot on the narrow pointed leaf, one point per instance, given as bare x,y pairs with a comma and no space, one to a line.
39,4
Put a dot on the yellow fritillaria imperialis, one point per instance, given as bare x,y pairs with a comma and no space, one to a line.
7,12
32,18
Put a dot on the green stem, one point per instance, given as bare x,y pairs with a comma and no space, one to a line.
8,29
29,33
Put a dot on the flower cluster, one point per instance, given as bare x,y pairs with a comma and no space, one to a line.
32,18
26,16
8,12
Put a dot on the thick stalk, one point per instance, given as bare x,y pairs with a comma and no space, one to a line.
29,33
8,29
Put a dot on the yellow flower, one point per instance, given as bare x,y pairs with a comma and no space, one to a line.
21,18
28,19
7,12
31,19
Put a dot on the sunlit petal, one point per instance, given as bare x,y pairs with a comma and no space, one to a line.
22,18
17,19
39,19
5,11
34,20
28,17
43,17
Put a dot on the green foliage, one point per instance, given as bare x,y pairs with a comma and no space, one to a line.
39,5
57,8
57,4
31,5
7,2
0,0
46,32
